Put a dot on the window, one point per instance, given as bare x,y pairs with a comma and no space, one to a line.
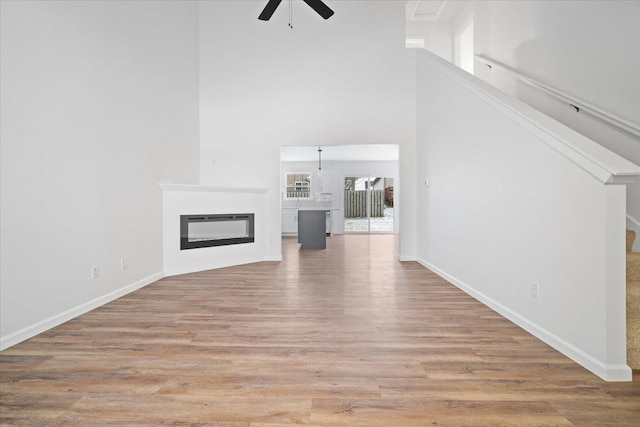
301,186
298,185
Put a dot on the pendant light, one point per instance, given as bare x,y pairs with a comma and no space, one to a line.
320,168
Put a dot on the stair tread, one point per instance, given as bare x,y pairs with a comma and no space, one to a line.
633,299
633,343
631,237
633,266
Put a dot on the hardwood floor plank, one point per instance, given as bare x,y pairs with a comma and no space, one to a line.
580,413
479,390
419,412
282,386
344,336
131,409
34,407
451,370
19,364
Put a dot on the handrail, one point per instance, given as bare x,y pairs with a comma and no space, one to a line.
604,165
577,103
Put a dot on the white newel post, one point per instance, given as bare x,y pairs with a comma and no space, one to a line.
615,283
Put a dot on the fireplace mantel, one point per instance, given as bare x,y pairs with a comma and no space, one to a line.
204,188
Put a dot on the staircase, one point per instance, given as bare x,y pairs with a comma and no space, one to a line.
633,303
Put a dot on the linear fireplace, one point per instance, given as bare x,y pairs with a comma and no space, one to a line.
202,231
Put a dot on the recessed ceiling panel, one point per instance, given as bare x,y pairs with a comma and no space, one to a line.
428,9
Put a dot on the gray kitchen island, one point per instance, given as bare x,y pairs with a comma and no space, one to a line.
312,229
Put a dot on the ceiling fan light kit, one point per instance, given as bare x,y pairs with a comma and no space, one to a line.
317,5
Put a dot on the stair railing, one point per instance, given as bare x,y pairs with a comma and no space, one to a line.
578,104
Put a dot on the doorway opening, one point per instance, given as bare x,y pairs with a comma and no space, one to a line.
371,169
368,204
464,48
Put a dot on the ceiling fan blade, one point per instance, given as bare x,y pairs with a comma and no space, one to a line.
321,8
269,9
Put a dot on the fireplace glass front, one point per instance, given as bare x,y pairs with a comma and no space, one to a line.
201,231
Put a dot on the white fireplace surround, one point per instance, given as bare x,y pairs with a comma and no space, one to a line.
186,199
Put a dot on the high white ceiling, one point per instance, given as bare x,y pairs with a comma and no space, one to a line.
425,10
367,152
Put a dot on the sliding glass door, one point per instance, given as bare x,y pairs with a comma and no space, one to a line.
368,204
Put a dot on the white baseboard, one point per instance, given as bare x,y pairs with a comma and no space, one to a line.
53,321
605,371
406,258
275,258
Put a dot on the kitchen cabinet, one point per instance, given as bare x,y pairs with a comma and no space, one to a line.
289,222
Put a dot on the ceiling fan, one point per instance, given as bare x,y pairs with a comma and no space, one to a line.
317,5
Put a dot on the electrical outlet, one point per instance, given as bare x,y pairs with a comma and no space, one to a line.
95,272
534,289
124,264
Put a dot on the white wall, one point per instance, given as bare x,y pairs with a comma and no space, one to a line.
333,174
99,104
504,209
584,48
465,53
439,34
347,80
438,37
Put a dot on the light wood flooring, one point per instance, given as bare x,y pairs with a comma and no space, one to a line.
345,336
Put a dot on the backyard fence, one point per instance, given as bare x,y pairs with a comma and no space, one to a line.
295,194
355,203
